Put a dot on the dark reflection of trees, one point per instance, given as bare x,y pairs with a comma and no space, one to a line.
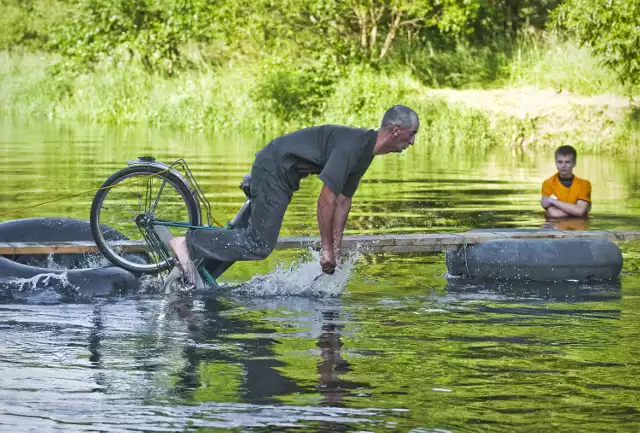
261,380
632,126
462,203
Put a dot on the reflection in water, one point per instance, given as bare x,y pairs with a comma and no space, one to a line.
332,366
562,291
567,224
496,354
261,381
426,190
95,336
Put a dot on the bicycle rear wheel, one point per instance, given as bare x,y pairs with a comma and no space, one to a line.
134,192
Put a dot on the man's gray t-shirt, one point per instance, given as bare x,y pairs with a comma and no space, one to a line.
339,155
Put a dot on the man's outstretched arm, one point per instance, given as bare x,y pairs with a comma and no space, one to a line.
327,202
343,206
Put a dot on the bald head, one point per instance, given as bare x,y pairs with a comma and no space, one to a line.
399,115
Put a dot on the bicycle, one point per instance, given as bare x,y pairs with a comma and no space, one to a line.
150,202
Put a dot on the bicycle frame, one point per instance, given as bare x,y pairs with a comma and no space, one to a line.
154,230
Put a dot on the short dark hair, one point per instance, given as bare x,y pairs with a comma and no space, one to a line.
399,115
567,150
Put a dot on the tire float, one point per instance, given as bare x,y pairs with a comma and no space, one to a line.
65,276
537,260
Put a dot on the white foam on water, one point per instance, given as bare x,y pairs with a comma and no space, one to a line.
301,278
48,288
42,281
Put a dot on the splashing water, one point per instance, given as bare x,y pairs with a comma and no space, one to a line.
51,263
42,288
301,278
150,284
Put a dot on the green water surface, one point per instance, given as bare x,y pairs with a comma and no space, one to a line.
401,349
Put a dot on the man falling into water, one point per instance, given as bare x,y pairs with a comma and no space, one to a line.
565,194
339,155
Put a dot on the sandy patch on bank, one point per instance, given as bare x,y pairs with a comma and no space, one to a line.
528,101
547,115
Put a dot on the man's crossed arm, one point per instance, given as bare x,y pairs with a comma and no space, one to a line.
560,209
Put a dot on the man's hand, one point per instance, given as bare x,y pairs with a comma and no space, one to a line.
328,262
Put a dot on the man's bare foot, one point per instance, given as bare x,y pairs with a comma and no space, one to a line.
180,250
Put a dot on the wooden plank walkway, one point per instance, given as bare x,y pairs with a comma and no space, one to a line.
399,244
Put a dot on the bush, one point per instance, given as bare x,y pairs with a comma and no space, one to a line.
609,28
294,94
363,94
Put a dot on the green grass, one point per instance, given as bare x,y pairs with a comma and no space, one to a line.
560,65
628,133
267,97
544,61
223,100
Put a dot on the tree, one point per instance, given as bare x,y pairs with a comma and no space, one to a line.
27,23
610,29
153,30
368,28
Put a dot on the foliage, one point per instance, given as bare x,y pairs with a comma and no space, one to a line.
268,99
272,66
610,29
464,65
553,63
294,93
152,30
364,93
367,29
509,17
27,23
157,32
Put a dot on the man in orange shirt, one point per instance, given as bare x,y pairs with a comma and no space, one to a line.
564,194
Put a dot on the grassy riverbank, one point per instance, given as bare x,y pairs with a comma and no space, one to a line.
268,97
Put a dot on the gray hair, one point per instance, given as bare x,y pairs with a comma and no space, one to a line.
399,115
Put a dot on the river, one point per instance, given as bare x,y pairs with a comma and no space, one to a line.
396,347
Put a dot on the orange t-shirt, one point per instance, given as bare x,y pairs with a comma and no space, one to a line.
580,189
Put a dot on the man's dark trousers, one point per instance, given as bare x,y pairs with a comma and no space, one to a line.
270,197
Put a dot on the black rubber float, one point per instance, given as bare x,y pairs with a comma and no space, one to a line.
537,260
69,276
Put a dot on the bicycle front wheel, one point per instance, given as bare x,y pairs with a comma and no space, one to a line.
136,191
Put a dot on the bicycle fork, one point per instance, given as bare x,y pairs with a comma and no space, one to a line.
157,236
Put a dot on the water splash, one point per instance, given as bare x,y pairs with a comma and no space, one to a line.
41,289
301,278
41,281
150,285
50,263
64,261
95,261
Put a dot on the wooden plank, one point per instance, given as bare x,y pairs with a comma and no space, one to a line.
390,243
83,247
